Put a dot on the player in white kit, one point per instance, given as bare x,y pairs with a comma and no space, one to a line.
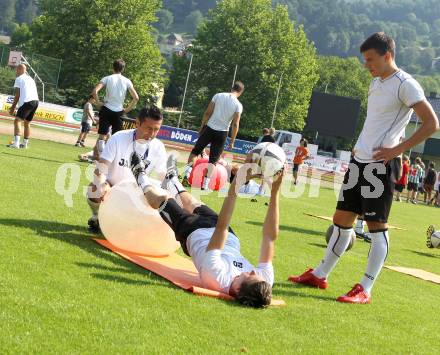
207,238
114,163
369,183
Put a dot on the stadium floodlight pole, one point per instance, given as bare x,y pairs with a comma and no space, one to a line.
276,100
184,93
235,75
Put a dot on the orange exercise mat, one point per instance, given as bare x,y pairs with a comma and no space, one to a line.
331,220
420,274
176,269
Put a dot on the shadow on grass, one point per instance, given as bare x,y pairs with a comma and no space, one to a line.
318,245
291,229
421,253
78,236
34,158
290,289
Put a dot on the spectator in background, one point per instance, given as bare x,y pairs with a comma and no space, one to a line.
403,181
422,179
414,176
267,136
436,198
301,154
88,119
429,182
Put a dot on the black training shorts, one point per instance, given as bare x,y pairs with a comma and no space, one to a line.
27,110
368,189
217,139
109,118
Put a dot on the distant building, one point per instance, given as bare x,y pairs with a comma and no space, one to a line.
5,39
174,39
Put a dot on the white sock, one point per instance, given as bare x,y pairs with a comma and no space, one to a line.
94,206
360,226
376,258
17,140
143,181
187,170
336,247
26,141
174,187
206,181
101,145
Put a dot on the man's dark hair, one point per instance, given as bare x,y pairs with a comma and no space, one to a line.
305,142
432,165
380,42
90,97
119,65
238,87
257,294
266,131
152,112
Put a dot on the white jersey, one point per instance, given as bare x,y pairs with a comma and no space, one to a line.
218,268
119,149
116,86
28,89
437,181
389,110
226,105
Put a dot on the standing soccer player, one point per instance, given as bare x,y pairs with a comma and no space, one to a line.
301,154
369,183
26,97
223,110
112,109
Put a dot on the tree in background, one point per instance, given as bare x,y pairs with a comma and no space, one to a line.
165,20
7,15
345,77
7,78
193,21
88,35
265,45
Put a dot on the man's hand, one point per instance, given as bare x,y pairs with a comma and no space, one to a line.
99,104
12,110
277,180
386,154
230,145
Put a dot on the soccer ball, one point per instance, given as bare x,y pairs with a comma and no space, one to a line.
270,157
329,233
433,240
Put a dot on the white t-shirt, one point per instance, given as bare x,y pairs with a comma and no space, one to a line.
116,86
226,105
87,110
218,268
28,89
437,181
119,149
389,110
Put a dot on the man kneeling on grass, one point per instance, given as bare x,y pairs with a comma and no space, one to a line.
207,238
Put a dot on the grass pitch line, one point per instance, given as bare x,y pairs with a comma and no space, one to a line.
175,268
418,273
331,220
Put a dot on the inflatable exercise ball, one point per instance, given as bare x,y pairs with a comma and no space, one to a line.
219,175
131,224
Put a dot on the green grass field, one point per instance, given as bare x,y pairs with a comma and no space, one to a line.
62,293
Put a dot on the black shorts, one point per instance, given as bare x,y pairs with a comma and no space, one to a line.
399,188
217,140
27,110
296,167
109,118
368,191
412,186
184,223
85,127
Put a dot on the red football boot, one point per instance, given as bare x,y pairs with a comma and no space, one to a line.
309,279
356,295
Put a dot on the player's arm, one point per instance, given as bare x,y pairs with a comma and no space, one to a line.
271,223
14,103
134,100
207,115
95,92
221,231
235,127
424,111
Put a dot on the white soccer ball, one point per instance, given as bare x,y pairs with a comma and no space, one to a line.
434,240
270,157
